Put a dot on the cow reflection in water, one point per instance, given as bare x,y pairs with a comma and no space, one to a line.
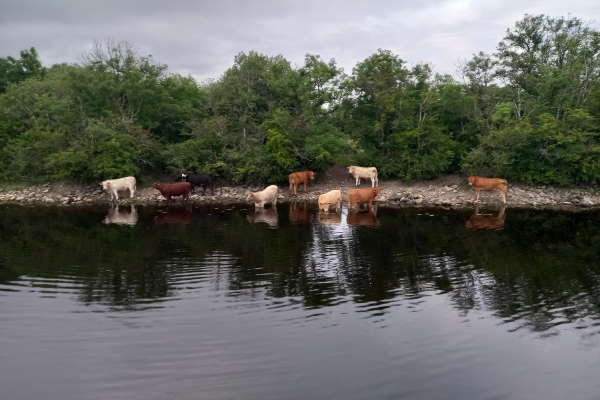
121,216
300,213
268,216
360,217
486,221
176,216
329,218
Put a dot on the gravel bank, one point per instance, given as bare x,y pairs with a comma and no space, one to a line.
449,192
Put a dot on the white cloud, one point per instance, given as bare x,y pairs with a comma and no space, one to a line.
201,38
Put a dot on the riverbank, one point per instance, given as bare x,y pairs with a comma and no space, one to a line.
448,191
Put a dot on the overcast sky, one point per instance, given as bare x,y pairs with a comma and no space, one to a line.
201,38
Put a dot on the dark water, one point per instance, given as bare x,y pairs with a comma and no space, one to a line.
227,304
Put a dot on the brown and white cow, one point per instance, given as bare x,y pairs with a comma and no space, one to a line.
479,183
300,177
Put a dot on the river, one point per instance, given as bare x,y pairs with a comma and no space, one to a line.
225,303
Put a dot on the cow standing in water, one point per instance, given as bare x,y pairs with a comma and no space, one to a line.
300,177
358,196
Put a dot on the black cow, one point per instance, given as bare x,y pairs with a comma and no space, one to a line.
199,180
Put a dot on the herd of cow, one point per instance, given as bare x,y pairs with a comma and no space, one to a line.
188,182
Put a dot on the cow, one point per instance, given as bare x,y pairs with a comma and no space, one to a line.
169,190
265,215
483,221
119,217
358,196
114,186
479,183
365,173
202,180
333,197
296,178
267,195
300,213
362,218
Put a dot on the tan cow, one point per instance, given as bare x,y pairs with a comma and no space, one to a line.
333,197
300,177
267,195
364,173
358,196
479,183
114,186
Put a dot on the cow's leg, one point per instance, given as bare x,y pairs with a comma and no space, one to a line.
305,186
116,194
275,202
132,191
372,182
503,193
477,198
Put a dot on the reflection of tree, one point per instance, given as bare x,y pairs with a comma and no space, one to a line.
543,269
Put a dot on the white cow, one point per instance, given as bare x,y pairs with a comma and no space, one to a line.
268,195
365,173
113,186
333,197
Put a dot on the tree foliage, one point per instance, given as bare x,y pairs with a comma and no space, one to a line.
528,112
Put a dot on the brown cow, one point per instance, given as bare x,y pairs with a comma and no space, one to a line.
479,183
482,221
296,178
169,190
358,196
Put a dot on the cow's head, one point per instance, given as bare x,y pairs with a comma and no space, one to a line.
376,191
250,196
183,177
104,185
350,168
311,175
471,180
156,185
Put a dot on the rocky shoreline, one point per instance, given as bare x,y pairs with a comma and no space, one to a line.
447,192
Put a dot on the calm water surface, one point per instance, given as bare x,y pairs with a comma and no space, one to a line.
226,303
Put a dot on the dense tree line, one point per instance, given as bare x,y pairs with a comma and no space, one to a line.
529,112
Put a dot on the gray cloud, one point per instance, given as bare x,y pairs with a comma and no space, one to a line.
201,38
